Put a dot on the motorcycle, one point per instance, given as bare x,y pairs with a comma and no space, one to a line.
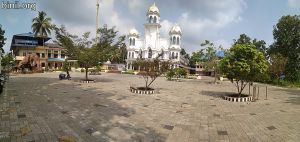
2,82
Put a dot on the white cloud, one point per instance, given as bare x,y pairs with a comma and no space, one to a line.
294,3
80,16
198,29
165,28
199,20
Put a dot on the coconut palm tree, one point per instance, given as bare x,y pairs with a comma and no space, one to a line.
41,25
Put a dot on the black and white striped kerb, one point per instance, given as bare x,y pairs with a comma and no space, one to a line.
134,90
89,81
234,99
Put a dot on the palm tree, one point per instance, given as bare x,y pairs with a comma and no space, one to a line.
41,25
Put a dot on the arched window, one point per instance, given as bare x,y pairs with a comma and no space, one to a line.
177,40
149,53
176,55
151,19
162,54
155,19
170,40
129,54
174,40
133,43
173,55
130,41
132,54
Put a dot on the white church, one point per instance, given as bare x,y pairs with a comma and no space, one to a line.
153,44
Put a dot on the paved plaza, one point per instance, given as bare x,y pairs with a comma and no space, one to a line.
41,108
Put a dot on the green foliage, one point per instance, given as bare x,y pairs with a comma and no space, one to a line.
287,42
8,62
243,64
66,66
41,25
259,44
110,47
170,74
151,69
277,65
180,72
129,72
2,39
197,57
98,68
89,55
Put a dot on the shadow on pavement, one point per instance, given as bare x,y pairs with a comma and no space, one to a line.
61,108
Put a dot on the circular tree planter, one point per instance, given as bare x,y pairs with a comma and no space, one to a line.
141,90
87,81
234,98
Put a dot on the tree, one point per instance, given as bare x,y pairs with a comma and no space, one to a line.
2,39
259,44
170,74
151,69
182,51
277,65
67,67
87,58
180,72
86,53
197,57
243,64
8,62
110,45
41,25
287,42
211,59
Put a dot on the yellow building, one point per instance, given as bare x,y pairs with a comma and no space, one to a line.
51,55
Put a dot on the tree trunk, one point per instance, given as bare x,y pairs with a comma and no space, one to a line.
86,73
215,77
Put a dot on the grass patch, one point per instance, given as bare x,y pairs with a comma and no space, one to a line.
285,83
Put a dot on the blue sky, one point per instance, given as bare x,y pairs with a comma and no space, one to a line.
219,21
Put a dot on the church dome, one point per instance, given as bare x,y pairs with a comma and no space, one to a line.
175,30
134,32
153,9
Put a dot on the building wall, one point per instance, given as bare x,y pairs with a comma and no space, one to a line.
44,53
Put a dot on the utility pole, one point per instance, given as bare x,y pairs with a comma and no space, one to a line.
97,19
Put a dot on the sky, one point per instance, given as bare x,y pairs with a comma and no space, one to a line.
219,21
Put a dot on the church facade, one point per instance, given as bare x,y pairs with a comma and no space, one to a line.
153,45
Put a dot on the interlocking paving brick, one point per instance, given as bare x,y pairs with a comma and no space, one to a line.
168,127
216,115
17,103
64,112
21,115
271,127
222,133
125,114
200,122
90,131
